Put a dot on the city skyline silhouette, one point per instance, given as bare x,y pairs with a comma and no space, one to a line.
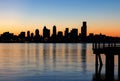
68,36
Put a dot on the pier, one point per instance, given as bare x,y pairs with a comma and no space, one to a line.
109,50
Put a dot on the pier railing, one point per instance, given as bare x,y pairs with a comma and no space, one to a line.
105,45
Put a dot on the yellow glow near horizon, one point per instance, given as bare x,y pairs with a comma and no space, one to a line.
16,25
104,29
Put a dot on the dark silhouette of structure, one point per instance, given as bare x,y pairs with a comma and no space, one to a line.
37,32
69,36
84,31
37,36
46,34
54,31
28,36
109,50
54,35
6,37
22,36
67,32
74,35
60,36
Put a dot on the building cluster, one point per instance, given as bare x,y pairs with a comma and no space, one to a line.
71,36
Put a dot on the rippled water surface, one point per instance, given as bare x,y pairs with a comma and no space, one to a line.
47,62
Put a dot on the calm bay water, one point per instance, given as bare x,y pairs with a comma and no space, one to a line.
48,62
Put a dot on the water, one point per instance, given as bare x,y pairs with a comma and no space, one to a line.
47,62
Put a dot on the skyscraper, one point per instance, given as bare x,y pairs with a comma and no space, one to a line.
66,32
37,36
22,35
37,32
74,35
32,35
46,32
54,31
28,34
84,31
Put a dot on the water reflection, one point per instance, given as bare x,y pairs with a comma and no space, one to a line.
66,54
37,53
83,56
83,52
74,53
46,62
54,55
28,54
46,56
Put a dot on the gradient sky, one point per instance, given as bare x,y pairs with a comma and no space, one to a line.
102,16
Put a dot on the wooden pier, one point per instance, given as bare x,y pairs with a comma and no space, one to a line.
109,50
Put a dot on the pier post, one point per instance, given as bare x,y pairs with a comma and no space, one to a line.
96,59
109,67
100,59
97,67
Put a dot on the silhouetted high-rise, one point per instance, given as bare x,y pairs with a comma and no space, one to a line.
66,32
60,36
22,35
32,35
37,36
46,33
66,35
6,37
54,31
37,32
84,31
28,34
74,34
54,34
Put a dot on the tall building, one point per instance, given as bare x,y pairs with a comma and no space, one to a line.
22,35
37,32
60,34
32,35
84,31
74,33
6,37
37,36
28,34
54,30
66,32
46,32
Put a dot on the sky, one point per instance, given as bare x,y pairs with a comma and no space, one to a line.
102,16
